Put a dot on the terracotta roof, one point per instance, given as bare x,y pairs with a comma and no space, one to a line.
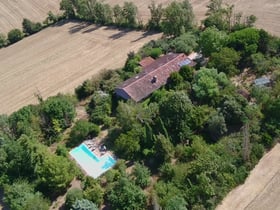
146,61
152,77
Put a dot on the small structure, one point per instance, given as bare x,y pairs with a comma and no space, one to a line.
153,76
262,81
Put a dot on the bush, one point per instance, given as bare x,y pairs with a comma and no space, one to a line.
155,52
87,88
72,196
3,40
81,131
14,36
30,27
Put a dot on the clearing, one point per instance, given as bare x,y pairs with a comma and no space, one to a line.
60,58
12,12
261,189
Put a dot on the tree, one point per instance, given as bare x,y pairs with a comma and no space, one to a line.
22,196
125,196
226,60
177,113
185,43
68,8
117,14
57,114
141,175
260,64
54,174
187,72
127,145
212,40
177,18
3,40
129,12
156,12
29,27
82,130
216,126
14,36
208,83
93,191
84,204
87,88
174,80
176,203
245,41
72,196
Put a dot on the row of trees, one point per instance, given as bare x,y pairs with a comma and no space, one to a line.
173,20
29,28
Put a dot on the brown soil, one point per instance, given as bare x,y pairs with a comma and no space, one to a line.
261,189
60,58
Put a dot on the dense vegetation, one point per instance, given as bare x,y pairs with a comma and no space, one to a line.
189,143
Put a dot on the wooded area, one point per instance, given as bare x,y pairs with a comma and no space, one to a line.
184,147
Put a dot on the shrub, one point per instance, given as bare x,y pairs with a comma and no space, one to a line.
30,27
3,40
81,131
155,52
87,88
72,196
15,35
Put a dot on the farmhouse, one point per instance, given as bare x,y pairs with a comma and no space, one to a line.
154,75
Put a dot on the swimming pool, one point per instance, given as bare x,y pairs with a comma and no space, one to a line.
90,163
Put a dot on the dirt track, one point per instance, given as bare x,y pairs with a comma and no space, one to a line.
60,58
261,189
12,12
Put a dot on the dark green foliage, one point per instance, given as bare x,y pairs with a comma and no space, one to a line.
141,175
155,52
99,107
260,64
177,18
216,126
30,27
68,8
185,43
3,40
61,150
25,121
164,149
128,145
57,114
87,88
156,12
81,131
225,61
175,80
208,83
125,196
129,13
132,63
212,40
14,36
72,196
187,72
93,191
245,41
176,203
84,204
22,196
177,113
233,110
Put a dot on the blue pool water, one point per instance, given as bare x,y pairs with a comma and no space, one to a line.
90,163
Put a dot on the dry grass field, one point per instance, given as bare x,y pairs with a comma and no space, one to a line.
12,12
60,58
261,189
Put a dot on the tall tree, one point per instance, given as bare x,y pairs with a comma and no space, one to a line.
156,12
177,18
